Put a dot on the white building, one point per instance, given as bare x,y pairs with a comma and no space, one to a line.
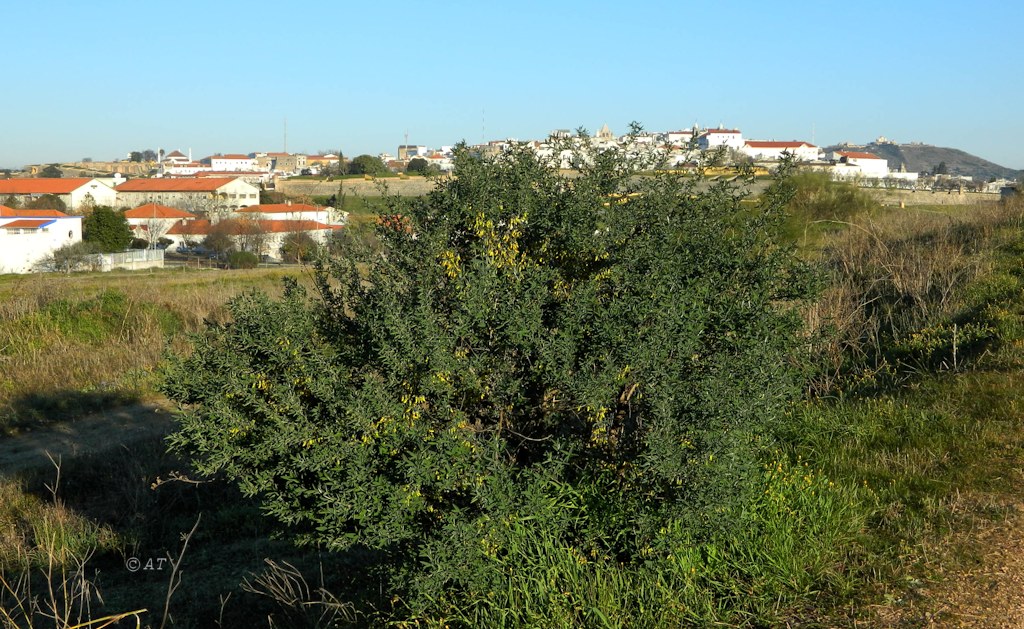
209,195
230,163
714,138
28,237
852,164
679,138
182,169
74,192
774,151
292,212
262,237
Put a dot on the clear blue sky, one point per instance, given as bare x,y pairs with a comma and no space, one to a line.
99,79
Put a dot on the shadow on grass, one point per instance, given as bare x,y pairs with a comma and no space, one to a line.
128,486
42,408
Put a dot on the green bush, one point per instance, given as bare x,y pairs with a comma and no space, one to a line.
597,357
242,260
107,229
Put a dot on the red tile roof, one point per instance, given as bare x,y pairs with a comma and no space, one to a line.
63,185
155,210
280,208
199,227
856,155
710,131
777,145
229,174
27,223
202,227
173,185
6,212
278,227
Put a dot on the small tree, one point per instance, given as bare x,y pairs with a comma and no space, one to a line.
367,165
12,202
219,241
70,257
107,229
47,202
416,165
51,171
299,246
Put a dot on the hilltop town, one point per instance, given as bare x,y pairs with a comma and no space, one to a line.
174,202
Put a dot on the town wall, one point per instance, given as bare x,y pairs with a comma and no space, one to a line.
932,197
409,187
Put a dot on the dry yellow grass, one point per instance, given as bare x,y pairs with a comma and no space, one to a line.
71,344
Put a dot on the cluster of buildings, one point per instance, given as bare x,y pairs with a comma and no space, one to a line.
255,168
175,212
185,200
676,149
682,148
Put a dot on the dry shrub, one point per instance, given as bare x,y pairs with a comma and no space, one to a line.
893,277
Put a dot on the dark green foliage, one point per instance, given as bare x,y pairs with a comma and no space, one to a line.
107,229
47,202
416,165
420,166
139,243
272,196
367,165
597,357
242,260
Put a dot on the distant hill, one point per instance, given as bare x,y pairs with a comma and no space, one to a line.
923,158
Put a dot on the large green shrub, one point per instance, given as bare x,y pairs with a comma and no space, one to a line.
597,357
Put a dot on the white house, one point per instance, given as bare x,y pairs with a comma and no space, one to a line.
679,138
262,237
209,195
851,164
74,192
291,212
230,163
183,169
28,237
774,151
714,138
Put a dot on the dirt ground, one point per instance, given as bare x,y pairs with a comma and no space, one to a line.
990,593
95,433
